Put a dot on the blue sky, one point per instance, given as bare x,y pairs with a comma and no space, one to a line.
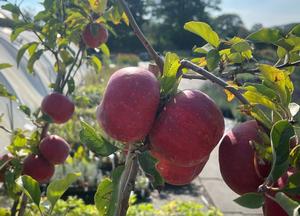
267,12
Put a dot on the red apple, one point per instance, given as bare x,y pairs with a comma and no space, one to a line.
58,107
55,149
129,105
94,35
176,175
38,168
238,164
187,130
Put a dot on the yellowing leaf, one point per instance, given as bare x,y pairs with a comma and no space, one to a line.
258,98
98,6
125,19
201,62
280,79
229,95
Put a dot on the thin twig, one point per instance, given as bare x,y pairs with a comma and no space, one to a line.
187,64
256,70
71,68
5,129
138,32
127,181
215,79
193,76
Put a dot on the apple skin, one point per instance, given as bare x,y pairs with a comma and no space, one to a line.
58,107
176,175
55,149
129,105
187,130
94,35
237,159
38,168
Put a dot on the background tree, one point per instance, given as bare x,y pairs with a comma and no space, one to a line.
230,25
172,15
123,37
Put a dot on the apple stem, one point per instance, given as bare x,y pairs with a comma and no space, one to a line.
127,181
138,32
206,74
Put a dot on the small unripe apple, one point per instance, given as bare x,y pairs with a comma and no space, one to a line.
38,168
237,159
187,130
129,105
176,175
94,35
55,149
58,107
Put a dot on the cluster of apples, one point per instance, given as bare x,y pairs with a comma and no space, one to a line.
181,136
53,149
241,168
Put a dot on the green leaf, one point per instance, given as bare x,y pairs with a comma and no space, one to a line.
147,163
14,9
25,109
296,30
289,205
203,30
116,176
98,6
23,49
280,80
96,63
250,200
104,48
281,133
4,212
66,57
107,193
4,93
241,46
18,30
254,97
71,85
169,81
293,184
96,143
30,187
236,58
103,196
33,59
5,65
281,52
58,187
264,90
212,59
265,35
